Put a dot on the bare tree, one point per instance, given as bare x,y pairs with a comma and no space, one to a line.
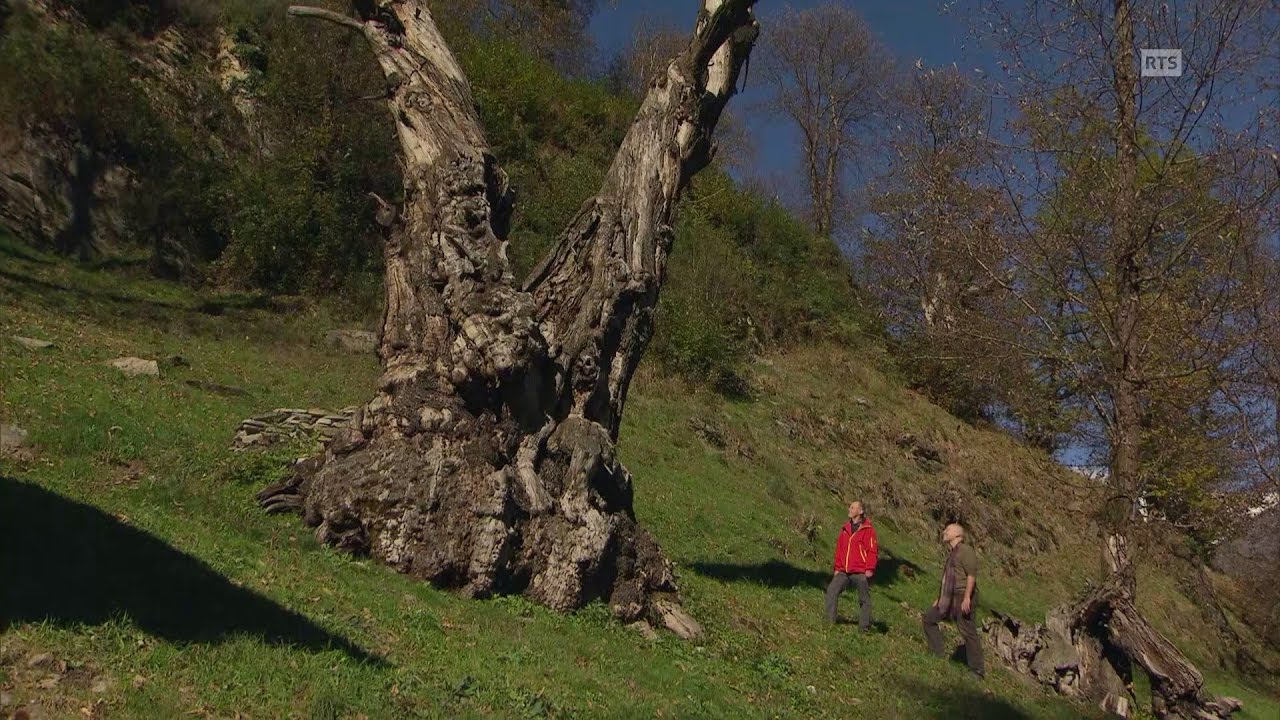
927,203
828,75
653,43
486,461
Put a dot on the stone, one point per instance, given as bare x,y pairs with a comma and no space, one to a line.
709,431
645,629
133,367
14,444
39,660
32,343
12,439
284,424
678,621
244,440
360,342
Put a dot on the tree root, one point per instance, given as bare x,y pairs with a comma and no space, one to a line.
1087,650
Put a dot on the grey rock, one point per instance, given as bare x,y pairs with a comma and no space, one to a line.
40,170
678,621
361,342
246,440
645,629
32,343
12,438
709,431
290,423
134,367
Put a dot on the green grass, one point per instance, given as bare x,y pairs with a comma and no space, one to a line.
133,551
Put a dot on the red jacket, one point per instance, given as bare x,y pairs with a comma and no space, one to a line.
857,551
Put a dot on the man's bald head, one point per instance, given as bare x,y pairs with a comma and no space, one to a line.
953,533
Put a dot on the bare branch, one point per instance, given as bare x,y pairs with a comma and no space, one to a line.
306,11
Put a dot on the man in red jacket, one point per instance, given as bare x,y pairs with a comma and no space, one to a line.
856,554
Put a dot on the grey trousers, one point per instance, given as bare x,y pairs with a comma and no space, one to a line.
839,583
968,630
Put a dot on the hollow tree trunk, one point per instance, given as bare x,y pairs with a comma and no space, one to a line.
486,461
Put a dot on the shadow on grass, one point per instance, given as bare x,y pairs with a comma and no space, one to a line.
960,702
773,573
11,248
782,574
69,564
47,290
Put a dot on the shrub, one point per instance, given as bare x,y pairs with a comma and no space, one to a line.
299,218
148,16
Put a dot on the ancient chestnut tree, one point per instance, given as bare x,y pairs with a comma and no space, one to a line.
486,461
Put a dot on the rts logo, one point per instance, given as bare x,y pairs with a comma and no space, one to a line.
1161,63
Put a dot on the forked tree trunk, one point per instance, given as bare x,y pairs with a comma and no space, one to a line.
486,461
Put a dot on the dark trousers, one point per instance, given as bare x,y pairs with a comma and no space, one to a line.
839,584
968,630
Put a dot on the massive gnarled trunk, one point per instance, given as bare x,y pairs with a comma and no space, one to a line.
486,461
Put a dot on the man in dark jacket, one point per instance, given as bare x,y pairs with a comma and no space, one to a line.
957,599
856,554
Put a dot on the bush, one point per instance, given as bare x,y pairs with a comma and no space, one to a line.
76,84
554,136
298,218
148,16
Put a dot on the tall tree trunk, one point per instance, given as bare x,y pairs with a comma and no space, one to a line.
486,461
1127,420
831,180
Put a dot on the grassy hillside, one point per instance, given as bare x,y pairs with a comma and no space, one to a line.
139,580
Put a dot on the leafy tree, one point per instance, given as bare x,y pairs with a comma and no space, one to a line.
1115,271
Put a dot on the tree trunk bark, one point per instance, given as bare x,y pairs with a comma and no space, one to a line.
486,461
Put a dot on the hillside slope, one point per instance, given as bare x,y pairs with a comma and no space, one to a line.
138,579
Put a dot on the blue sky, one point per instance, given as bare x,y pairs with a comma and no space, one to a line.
911,29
